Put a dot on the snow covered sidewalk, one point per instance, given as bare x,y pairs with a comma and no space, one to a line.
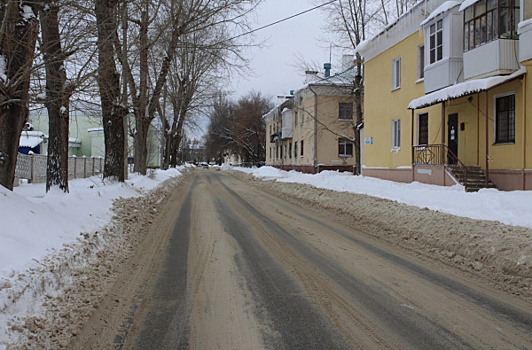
511,208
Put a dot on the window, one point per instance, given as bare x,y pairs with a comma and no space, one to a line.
423,129
505,119
345,111
436,42
396,73
302,147
396,133
290,150
489,20
345,148
295,149
420,61
295,117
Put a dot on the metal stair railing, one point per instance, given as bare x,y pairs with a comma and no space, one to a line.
439,154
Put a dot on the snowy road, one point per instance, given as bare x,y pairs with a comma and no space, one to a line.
228,266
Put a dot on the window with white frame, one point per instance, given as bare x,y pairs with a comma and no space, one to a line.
436,41
421,61
396,73
345,148
505,119
396,134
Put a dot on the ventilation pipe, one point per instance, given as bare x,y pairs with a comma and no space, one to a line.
327,67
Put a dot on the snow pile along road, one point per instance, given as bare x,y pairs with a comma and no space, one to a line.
492,250
58,252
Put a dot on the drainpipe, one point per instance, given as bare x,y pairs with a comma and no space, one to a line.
524,134
315,129
412,146
443,160
487,141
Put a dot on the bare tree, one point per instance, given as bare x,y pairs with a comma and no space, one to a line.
239,128
19,28
182,19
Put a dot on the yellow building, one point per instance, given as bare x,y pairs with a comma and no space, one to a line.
313,130
454,78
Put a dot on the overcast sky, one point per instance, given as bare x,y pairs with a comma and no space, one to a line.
275,64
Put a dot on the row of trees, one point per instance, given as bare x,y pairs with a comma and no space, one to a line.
238,128
155,60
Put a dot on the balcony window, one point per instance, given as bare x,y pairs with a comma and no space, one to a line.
436,41
489,20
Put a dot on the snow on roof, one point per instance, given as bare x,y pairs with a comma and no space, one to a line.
74,142
467,3
463,89
29,141
521,26
344,78
446,6
34,133
94,129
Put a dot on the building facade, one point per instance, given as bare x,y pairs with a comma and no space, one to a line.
312,130
455,78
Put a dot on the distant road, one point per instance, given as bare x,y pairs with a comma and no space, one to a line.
231,267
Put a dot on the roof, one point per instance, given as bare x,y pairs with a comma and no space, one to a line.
467,3
29,141
446,6
463,89
404,26
344,78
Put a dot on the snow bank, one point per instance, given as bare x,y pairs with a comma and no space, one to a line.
40,229
512,208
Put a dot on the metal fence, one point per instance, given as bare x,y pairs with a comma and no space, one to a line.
33,167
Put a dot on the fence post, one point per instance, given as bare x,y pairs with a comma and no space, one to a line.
84,167
32,176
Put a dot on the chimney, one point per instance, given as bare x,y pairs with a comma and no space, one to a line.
327,67
311,76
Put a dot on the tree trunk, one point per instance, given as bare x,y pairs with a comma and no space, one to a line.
113,112
18,35
57,99
142,122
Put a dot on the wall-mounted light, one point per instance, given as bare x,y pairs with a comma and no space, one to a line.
470,99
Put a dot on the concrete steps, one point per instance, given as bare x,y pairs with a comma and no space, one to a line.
476,179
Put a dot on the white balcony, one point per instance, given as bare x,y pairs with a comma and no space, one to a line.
525,40
494,58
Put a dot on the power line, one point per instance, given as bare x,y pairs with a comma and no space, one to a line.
280,21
